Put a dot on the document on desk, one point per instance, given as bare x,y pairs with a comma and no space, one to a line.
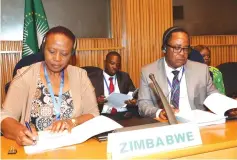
117,99
201,118
79,134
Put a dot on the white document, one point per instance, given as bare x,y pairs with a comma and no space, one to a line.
201,118
79,134
130,93
219,103
117,99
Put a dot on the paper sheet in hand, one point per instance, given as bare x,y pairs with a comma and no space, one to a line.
117,99
79,134
219,103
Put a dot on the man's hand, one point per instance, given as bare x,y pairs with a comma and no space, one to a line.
101,99
131,102
232,112
163,114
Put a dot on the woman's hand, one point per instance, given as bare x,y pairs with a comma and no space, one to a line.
163,114
25,137
61,125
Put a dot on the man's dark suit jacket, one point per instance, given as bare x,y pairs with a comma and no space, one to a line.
125,83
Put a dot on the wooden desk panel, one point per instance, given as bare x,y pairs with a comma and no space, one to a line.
217,140
214,138
231,153
90,149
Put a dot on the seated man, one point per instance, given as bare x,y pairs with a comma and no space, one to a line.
186,84
113,80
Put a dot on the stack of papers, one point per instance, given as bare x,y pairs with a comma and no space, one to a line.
79,134
218,105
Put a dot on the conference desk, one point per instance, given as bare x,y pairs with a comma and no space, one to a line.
219,141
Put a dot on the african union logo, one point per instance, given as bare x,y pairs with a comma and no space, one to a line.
35,26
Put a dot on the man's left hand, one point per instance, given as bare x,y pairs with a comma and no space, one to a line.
131,102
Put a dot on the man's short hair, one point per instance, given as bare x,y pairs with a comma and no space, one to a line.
112,53
168,34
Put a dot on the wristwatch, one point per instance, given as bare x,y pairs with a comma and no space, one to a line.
73,120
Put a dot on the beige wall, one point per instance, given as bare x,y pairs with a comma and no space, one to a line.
202,17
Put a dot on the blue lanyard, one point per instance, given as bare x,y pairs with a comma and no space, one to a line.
177,85
107,86
56,105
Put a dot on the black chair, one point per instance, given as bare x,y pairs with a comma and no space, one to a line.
196,56
93,74
7,87
26,61
229,73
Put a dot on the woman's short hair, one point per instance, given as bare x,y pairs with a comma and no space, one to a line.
62,30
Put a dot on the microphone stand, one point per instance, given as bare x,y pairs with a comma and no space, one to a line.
168,110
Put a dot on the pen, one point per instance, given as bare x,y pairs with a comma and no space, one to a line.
28,126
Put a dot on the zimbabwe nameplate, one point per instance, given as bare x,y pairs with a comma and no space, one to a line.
152,140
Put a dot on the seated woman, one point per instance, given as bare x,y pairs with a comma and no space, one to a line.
215,73
50,94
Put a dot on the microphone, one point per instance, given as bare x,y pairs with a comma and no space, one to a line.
170,114
168,110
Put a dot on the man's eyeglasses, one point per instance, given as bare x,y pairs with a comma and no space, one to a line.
179,49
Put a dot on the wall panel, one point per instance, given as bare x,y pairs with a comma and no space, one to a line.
137,29
223,47
145,23
90,51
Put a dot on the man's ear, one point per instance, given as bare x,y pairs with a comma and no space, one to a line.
104,63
